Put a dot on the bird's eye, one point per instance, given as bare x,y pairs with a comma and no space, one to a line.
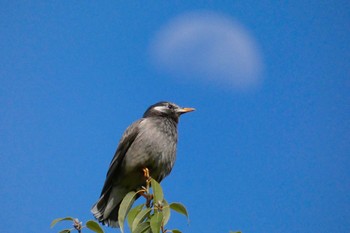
171,107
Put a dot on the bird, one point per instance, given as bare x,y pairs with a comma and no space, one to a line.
148,143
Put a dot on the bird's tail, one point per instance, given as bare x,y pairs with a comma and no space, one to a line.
105,210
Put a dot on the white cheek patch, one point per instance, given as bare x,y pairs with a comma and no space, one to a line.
160,108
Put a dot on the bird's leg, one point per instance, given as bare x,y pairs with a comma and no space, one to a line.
147,176
146,173
146,194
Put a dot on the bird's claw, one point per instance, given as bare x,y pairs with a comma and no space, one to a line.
146,173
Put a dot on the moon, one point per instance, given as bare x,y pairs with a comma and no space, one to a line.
208,47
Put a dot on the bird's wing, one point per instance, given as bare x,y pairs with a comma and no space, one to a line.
124,144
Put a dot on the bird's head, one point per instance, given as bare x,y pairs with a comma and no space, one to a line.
166,109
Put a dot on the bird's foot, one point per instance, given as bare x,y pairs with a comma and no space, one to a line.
146,194
147,176
146,173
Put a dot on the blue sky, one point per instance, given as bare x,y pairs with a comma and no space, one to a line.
266,151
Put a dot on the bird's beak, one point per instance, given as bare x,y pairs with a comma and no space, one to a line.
184,110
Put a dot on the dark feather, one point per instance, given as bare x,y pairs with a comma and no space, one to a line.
124,144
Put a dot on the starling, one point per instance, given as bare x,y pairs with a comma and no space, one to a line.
148,143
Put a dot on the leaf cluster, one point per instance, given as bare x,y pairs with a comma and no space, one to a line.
91,224
151,216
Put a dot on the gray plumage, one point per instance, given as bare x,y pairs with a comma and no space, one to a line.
148,143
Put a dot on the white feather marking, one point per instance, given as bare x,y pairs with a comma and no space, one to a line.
160,108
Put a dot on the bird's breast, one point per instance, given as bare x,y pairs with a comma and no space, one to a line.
154,148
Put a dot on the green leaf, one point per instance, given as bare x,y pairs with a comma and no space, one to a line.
166,212
132,214
124,208
53,223
65,231
156,222
140,217
180,208
94,226
175,231
157,192
142,228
